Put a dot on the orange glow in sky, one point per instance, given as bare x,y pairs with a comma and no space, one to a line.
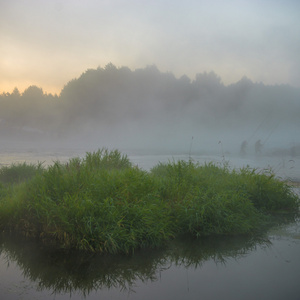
48,43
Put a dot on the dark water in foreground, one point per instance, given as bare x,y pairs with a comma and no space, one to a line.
216,268
265,267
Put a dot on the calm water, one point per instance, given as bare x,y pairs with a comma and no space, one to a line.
286,167
266,267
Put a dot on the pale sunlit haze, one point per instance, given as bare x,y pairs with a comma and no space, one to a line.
47,43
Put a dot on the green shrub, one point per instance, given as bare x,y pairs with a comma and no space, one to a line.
17,173
103,203
266,192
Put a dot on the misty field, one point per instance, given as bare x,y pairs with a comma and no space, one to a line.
103,203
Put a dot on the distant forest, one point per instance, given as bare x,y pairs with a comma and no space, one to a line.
119,104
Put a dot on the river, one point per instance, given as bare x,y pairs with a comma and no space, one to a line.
264,267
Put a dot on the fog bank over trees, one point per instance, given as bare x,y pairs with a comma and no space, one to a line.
148,109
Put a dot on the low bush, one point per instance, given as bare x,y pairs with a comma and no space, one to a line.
17,173
104,203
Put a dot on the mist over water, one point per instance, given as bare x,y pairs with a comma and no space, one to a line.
149,110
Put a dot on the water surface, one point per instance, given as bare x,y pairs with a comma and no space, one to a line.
265,267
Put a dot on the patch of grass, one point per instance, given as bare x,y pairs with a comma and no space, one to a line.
103,203
266,192
206,199
17,173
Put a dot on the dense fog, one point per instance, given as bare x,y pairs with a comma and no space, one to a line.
148,109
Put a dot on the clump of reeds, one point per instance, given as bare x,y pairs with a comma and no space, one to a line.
19,172
208,199
103,203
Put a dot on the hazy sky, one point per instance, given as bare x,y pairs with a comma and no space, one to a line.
49,42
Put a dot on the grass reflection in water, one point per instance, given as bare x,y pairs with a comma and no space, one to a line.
73,271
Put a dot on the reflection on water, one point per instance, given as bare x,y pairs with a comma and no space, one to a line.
72,271
184,269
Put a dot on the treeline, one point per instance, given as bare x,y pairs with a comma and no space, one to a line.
106,100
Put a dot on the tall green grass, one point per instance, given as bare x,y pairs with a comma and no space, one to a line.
19,172
208,199
104,203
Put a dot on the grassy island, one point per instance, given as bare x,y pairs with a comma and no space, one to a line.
103,203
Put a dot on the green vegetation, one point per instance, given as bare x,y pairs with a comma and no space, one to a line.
103,203
17,173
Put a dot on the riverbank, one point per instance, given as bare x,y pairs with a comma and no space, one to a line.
103,203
